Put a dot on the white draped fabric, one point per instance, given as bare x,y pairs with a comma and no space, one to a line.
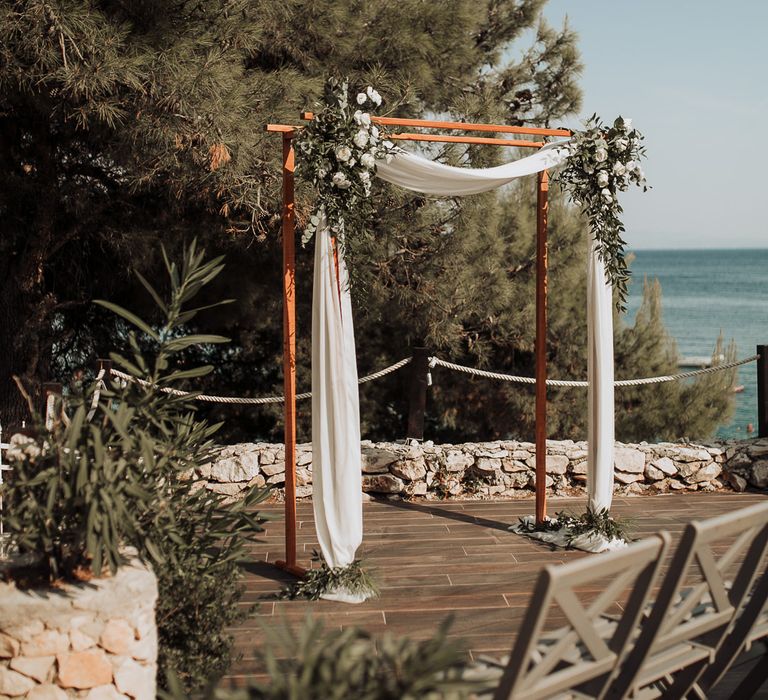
600,378
337,496
427,176
335,409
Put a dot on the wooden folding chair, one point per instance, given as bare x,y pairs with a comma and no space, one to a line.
685,626
749,626
581,655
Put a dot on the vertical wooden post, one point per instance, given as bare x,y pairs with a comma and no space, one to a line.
289,352
541,345
762,391
52,392
417,394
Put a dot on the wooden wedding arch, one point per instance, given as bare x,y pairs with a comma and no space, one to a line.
288,132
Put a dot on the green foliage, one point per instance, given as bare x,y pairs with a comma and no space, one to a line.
126,477
194,537
596,523
603,162
339,149
78,494
314,664
353,579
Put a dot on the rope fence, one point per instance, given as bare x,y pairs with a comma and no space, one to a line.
437,362
247,400
433,362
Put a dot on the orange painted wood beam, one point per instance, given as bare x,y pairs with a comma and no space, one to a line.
459,126
465,139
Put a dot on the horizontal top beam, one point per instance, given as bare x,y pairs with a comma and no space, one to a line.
446,138
459,126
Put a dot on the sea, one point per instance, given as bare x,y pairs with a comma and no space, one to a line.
705,293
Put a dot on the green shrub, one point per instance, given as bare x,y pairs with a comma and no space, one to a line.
83,491
314,664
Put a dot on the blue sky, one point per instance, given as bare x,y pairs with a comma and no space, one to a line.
693,75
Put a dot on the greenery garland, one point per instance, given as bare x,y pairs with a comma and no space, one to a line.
604,161
340,146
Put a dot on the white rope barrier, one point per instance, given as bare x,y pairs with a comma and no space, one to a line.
437,362
96,394
249,400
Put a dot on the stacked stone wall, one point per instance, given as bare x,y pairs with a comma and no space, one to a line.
500,468
95,640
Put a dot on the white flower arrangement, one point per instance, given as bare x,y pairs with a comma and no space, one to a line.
603,162
339,150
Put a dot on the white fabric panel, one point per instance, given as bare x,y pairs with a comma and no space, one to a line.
336,469
600,390
422,175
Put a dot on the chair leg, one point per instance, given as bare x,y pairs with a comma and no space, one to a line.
754,680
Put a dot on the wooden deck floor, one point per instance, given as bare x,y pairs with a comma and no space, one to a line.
432,559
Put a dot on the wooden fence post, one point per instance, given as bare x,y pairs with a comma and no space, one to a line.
417,395
762,391
52,392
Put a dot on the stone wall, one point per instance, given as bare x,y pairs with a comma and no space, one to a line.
95,640
501,468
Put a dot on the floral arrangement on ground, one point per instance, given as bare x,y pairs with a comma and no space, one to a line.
589,526
352,579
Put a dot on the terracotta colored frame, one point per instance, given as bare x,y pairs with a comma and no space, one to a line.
289,291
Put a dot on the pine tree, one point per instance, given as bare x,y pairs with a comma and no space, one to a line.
125,123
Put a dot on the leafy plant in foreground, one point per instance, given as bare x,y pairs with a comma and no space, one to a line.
314,664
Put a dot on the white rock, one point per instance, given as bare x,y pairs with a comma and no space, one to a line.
666,465
105,692
629,460
707,473
135,680
36,667
557,464
410,469
13,683
48,691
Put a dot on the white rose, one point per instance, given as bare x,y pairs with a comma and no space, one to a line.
340,180
622,144
618,168
606,195
367,160
602,178
322,173
361,98
631,165
365,119
343,153
361,138
375,97
365,176
600,155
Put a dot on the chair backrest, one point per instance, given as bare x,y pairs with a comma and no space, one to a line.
712,570
589,646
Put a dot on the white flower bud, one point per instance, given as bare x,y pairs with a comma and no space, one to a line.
361,138
343,153
602,178
361,98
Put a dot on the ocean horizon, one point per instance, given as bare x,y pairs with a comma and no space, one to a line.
706,292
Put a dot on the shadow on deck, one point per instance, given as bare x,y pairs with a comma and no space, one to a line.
432,559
